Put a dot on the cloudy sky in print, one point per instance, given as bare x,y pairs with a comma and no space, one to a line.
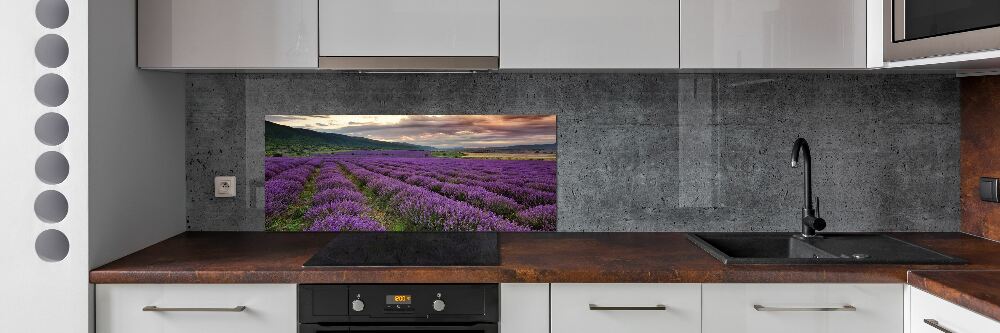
438,131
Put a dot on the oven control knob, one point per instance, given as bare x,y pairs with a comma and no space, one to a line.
358,305
438,305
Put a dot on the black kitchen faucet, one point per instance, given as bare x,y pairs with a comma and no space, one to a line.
810,221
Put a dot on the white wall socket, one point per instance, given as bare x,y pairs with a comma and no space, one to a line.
225,186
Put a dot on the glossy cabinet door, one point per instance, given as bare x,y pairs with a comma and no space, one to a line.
774,34
930,314
227,34
803,308
524,307
426,28
187,308
589,34
626,307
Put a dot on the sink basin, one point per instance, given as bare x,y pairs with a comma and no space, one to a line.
788,248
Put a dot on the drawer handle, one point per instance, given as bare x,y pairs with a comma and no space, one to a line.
769,308
595,307
159,309
934,323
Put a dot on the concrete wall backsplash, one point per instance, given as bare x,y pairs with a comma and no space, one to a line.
637,152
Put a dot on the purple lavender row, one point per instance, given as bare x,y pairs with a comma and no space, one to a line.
284,188
478,168
516,172
541,217
429,210
449,170
338,205
475,196
274,166
521,195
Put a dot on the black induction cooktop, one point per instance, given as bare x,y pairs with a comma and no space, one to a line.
409,249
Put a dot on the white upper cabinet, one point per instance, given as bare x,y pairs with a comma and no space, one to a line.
780,34
409,28
589,34
178,34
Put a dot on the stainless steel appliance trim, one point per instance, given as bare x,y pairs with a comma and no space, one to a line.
934,323
240,308
898,19
963,42
409,63
595,307
820,309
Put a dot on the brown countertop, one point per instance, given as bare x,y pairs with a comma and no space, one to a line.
978,291
257,257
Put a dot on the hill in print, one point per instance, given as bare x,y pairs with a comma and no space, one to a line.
281,140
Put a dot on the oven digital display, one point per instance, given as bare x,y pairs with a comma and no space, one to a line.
398,299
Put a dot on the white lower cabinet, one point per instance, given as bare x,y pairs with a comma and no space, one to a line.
524,307
803,308
627,307
186,308
930,314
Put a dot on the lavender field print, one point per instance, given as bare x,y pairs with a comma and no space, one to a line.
410,173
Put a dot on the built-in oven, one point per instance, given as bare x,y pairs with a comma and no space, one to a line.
916,29
377,308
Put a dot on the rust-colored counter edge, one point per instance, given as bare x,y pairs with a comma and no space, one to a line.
978,291
257,257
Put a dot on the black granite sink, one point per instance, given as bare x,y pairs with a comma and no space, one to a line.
833,248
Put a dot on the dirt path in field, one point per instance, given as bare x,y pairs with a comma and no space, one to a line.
293,218
380,210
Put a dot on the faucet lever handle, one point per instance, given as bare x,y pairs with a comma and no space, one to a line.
817,206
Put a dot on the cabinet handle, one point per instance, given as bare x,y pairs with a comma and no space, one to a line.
159,309
768,308
595,307
934,323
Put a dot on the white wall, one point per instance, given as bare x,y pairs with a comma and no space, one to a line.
38,295
137,186
138,131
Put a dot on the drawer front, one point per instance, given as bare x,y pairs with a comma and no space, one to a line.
803,308
946,315
633,308
269,308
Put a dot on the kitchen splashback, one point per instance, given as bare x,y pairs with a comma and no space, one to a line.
637,152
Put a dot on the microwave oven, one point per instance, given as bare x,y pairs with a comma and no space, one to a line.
915,29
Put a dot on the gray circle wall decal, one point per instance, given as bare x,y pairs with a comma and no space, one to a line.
51,206
51,129
52,167
51,90
52,13
51,51
52,245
